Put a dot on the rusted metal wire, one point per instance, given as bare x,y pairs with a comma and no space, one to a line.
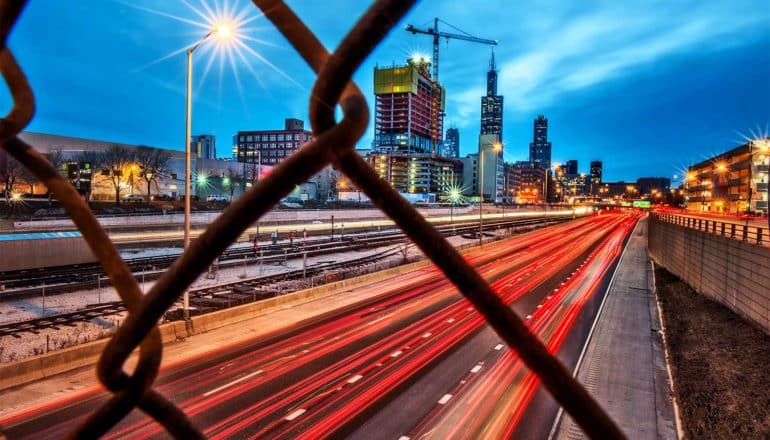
333,143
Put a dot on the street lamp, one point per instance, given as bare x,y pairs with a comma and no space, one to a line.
496,147
454,196
222,32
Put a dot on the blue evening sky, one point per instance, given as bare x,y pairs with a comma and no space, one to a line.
645,86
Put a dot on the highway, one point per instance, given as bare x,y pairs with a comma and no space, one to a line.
416,360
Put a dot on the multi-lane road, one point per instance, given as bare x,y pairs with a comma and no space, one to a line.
415,361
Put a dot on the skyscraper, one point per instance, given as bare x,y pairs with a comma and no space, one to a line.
452,143
409,109
572,167
492,105
595,176
540,148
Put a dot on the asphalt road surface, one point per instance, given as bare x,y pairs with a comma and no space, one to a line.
415,361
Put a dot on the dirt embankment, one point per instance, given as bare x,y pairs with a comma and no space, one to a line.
720,363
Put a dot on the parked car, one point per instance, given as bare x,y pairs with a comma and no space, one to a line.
133,198
216,198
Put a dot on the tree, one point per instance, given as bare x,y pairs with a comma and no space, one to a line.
153,164
113,162
232,178
12,172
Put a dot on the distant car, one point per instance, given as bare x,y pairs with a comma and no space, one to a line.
163,197
216,198
133,198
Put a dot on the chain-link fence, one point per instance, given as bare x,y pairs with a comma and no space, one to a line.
333,143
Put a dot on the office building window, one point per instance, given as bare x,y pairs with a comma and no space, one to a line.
280,137
272,137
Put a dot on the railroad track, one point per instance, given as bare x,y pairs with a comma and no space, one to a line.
62,279
234,293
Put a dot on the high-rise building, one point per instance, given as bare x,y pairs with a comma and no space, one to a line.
270,146
491,168
595,174
492,105
204,146
571,167
540,148
409,109
452,143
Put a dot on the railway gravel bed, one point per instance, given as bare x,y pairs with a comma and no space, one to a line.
720,364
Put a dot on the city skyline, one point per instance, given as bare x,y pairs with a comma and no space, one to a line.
668,92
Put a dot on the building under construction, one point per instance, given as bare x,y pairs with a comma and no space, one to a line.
409,109
424,173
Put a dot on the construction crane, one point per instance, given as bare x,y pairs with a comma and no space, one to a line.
437,35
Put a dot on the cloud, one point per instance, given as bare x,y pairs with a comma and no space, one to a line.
593,47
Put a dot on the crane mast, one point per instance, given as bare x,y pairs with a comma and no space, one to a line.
438,35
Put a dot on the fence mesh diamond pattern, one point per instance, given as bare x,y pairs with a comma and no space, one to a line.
333,143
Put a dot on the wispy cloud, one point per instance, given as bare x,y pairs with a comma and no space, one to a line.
597,46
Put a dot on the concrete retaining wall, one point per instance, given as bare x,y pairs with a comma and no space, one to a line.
729,271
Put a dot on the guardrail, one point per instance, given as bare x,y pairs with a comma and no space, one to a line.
724,228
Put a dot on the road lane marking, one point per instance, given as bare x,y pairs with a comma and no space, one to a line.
295,414
427,335
355,378
403,437
476,369
444,399
396,354
498,347
229,384
450,320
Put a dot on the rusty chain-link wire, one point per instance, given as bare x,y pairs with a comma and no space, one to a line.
333,143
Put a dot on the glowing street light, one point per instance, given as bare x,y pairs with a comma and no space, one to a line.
223,32
454,196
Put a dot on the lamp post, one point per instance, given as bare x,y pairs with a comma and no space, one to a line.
454,195
496,147
223,32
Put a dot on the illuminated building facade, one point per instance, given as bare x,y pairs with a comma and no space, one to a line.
540,148
451,143
270,146
409,109
492,105
732,182
595,176
417,173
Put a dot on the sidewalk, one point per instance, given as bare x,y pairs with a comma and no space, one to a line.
623,365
